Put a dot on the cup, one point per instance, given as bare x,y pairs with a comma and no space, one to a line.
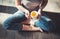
34,14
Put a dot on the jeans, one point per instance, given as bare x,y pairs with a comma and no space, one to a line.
14,22
45,24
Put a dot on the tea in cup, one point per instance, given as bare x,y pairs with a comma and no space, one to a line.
34,14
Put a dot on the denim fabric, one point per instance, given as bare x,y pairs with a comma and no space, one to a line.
45,23
13,22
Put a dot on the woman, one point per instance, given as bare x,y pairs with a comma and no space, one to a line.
15,22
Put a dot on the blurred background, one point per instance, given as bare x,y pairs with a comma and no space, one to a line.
52,10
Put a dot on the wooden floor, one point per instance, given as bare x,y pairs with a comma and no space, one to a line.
10,34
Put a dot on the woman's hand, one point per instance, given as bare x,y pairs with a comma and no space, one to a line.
27,14
39,14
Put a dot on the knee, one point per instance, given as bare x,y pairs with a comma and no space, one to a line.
5,25
46,19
